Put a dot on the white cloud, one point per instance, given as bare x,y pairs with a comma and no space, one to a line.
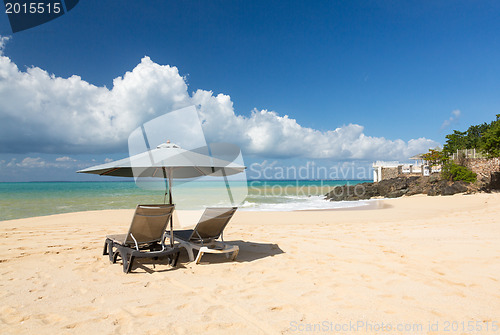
40,163
12,163
268,134
65,159
44,113
30,162
40,112
3,41
455,116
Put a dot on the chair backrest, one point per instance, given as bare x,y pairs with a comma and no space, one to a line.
149,223
212,223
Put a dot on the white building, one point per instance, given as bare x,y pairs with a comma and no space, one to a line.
387,170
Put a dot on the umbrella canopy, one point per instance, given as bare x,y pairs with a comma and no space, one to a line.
178,163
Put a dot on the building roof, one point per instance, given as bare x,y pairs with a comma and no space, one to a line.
386,164
418,156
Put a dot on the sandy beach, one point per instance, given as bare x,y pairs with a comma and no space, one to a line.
414,265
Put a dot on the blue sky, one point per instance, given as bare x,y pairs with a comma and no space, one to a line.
365,80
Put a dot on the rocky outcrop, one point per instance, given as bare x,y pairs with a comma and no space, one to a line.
397,187
495,181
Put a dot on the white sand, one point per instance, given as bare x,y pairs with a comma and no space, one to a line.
419,260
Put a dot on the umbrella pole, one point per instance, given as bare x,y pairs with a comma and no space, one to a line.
166,185
168,188
170,202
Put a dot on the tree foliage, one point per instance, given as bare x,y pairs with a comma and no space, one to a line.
490,141
454,142
484,137
435,157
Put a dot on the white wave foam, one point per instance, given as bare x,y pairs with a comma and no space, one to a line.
301,203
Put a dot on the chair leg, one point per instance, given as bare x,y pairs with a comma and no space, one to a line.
235,254
172,260
112,257
190,253
128,267
198,257
128,256
105,251
177,254
115,257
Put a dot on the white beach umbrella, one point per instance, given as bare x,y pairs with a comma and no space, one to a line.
168,161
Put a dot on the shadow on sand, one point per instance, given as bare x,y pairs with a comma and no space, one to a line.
249,251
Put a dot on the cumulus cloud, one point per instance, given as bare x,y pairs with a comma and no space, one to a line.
3,40
40,112
453,119
269,134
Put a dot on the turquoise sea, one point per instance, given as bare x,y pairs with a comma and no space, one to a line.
22,200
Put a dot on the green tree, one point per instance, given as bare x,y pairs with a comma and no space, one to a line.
490,141
435,157
454,142
470,139
474,134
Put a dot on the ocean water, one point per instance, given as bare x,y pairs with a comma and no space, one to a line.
22,200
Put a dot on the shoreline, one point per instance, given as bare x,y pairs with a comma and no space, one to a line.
423,260
371,204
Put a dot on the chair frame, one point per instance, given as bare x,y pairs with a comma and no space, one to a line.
208,244
130,247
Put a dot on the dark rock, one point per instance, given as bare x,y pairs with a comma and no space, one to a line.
433,191
454,188
434,179
396,194
352,192
444,187
392,187
397,187
495,181
418,185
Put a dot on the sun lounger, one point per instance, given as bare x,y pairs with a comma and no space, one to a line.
204,236
145,238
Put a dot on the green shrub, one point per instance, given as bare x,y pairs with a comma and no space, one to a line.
452,171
